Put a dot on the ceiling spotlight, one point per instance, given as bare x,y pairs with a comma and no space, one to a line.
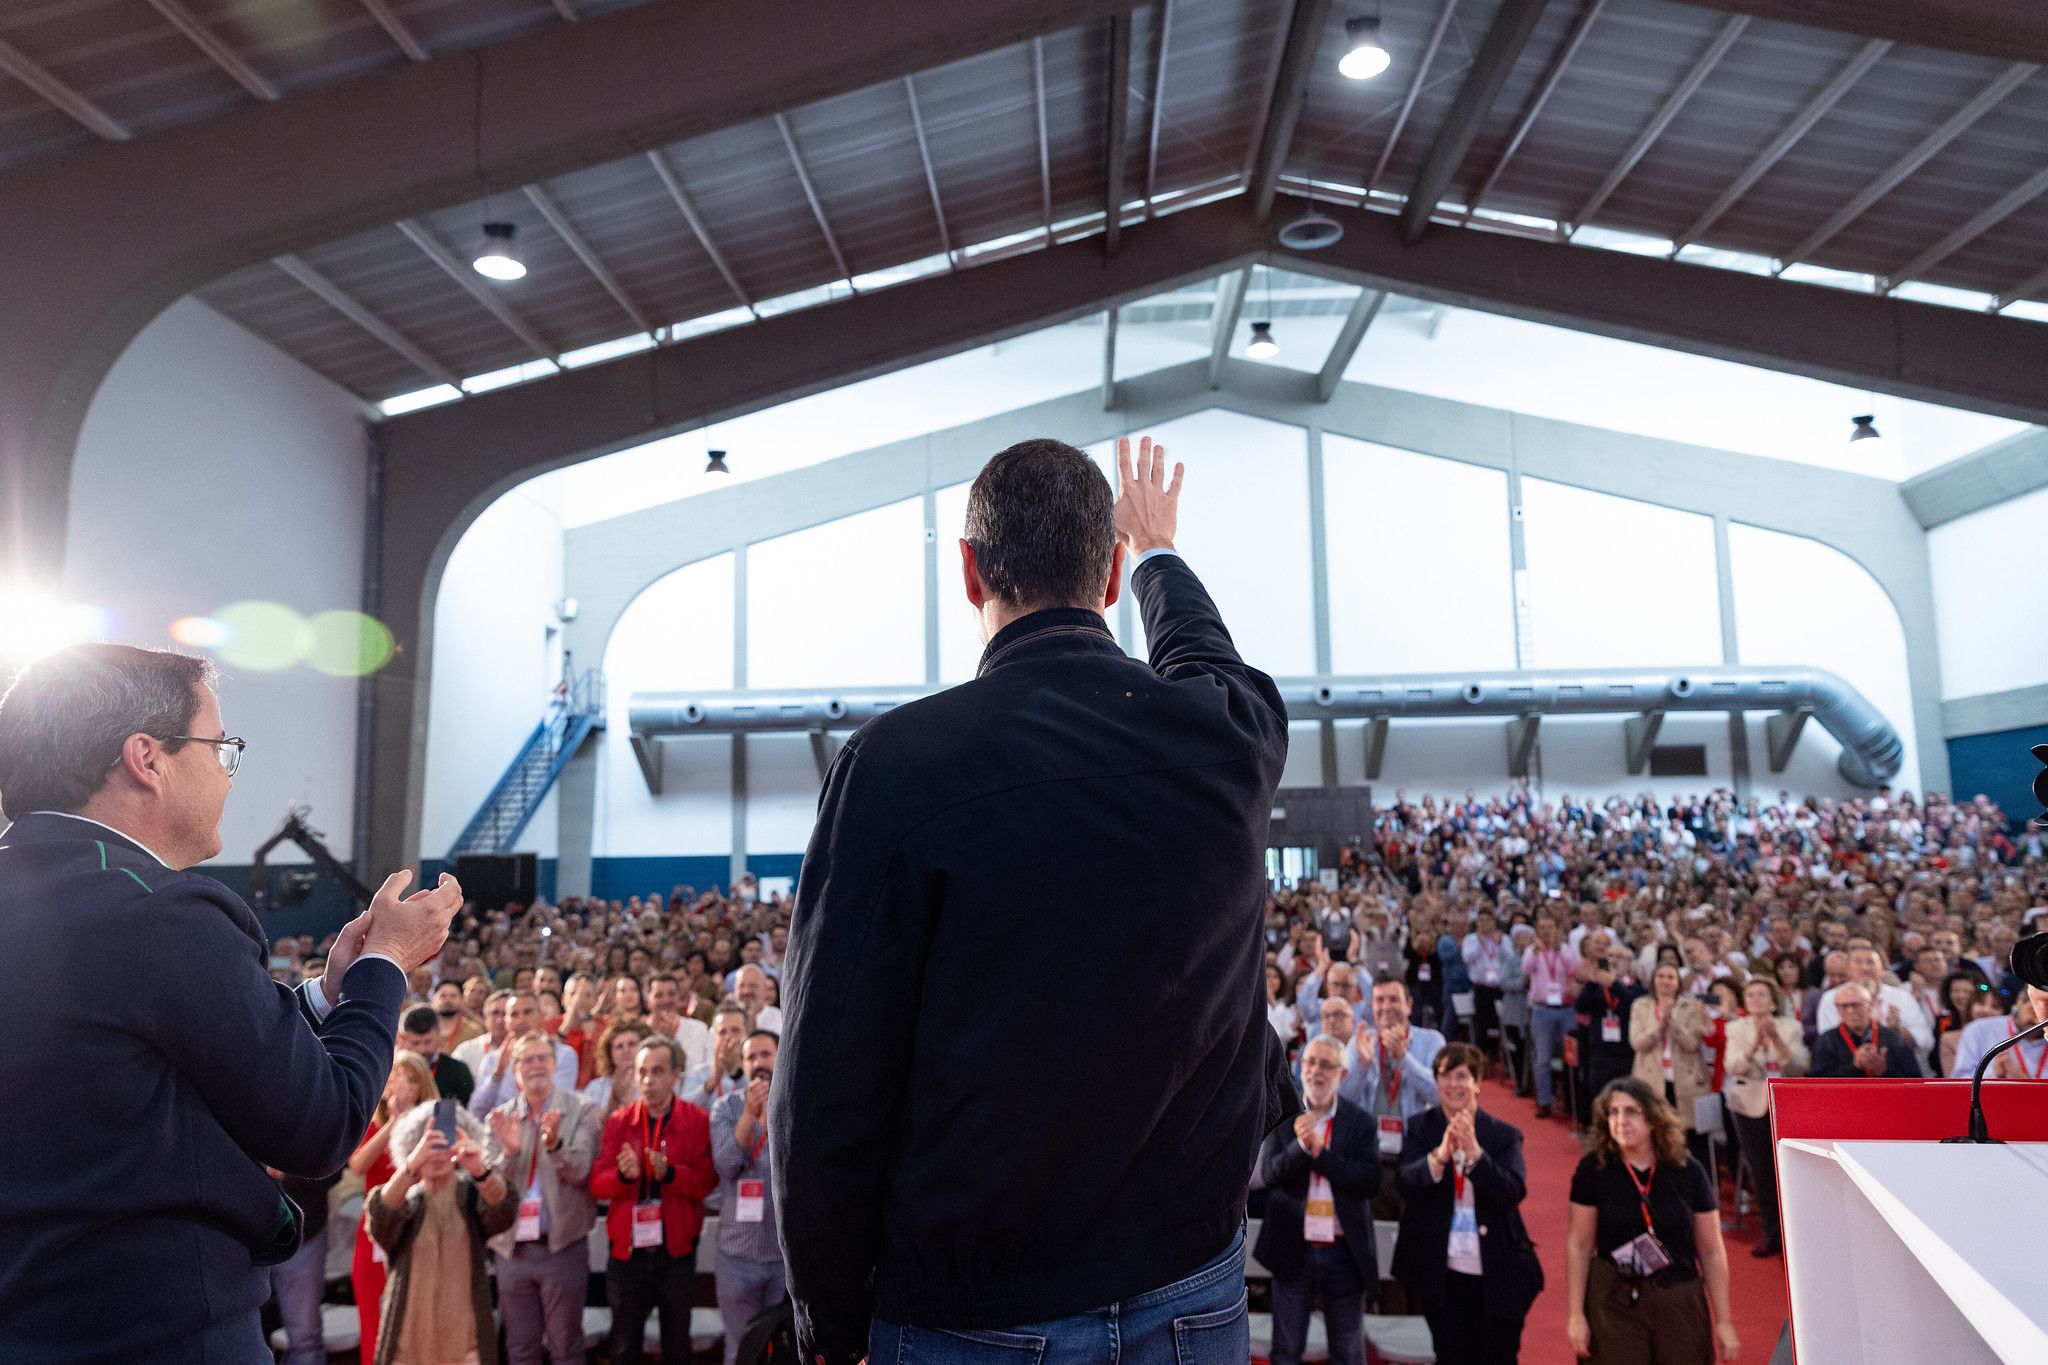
1365,58
1865,428
717,465
1312,231
497,255
1262,346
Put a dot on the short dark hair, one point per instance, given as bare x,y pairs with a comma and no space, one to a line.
763,1033
1042,523
1390,979
1453,1055
64,720
421,1018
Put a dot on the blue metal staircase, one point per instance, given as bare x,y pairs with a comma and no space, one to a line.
573,714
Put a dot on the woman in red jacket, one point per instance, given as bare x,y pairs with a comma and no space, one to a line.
654,1165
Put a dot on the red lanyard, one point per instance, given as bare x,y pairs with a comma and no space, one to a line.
1643,1188
1851,1043
2012,1030
1394,1078
1457,1177
1607,994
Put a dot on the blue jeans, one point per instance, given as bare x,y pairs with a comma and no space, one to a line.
298,1284
1330,1275
1200,1320
1549,1024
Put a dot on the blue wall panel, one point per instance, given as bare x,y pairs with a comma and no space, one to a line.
1998,765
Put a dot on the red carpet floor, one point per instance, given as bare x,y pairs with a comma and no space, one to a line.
1756,1287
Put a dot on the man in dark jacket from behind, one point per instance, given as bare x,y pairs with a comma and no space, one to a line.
1026,1066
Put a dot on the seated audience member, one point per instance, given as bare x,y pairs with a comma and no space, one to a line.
1645,1232
1893,1006
612,1088
1462,1249
432,1218
2027,1062
665,1015
1550,968
1859,1047
495,1082
549,1138
419,1032
749,1270
1280,1005
454,1023
655,1168
1605,1005
1762,1045
411,1084
723,1073
471,1053
1320,1174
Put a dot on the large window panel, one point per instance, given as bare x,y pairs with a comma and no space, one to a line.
839,605
782,793
1616,583
1421,573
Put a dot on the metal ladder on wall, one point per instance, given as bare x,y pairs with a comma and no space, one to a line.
576,711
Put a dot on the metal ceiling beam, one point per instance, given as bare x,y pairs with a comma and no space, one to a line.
1947,131
2036,283
1534,110
1223,315
223,56
1514,23
803,178
1109,360
1044,142
1774,151
1290,92
341,302
1116,133
566,230
388,20
2001,29
1158,103
2008,204
931,176
674,186
1415,83
567,9
1659,121
473,285
18,64
1357,323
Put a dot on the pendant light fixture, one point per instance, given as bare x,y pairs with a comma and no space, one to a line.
1864,428
717,465
1364,57
497,255
1262,346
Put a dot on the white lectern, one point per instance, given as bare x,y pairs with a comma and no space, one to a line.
1916,1251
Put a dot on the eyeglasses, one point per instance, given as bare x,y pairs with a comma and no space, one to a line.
228,750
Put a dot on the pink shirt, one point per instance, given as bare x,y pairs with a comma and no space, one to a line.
1549,972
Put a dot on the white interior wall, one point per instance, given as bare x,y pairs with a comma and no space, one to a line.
1985,566
676,635
195,417
839,605
495,664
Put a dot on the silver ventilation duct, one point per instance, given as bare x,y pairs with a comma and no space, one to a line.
1871,750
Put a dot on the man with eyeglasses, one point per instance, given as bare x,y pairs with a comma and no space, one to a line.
137,1220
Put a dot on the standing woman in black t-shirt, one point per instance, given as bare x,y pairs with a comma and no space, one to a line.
1645,1230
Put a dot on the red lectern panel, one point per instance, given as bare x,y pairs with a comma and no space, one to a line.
1904,1110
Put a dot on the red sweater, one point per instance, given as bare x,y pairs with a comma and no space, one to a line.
686,1141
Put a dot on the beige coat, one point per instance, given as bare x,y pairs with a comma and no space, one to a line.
1746,1084
1692,1077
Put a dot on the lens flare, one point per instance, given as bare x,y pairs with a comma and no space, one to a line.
348,644
265,637
33,624
199,632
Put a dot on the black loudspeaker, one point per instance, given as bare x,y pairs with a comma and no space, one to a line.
490,881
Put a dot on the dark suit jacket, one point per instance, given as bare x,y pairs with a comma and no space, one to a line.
1351,1163
1510,1276
153,1070
1832,1057
1066,850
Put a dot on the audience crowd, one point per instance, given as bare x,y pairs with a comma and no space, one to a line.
1626,961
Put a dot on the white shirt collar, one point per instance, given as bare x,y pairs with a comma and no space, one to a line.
65,814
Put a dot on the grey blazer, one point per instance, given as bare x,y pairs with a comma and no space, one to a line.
563,1174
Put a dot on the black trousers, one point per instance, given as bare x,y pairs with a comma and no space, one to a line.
1756,1148
652,1279
1462,1334
1486,1018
